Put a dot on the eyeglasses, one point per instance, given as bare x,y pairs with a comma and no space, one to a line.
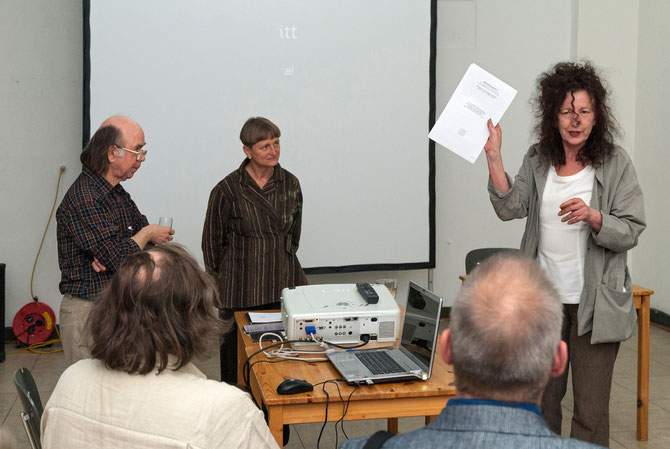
141,152
569,114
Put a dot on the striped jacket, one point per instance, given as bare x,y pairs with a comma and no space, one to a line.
251,236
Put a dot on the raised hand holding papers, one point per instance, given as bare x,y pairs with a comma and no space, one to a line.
461,127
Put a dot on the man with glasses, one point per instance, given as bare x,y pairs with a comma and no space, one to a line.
99,225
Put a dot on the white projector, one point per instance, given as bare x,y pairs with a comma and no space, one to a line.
337,313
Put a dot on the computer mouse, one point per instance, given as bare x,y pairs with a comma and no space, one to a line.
294,386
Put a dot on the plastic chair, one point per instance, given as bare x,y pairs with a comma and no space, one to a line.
32,405
477,256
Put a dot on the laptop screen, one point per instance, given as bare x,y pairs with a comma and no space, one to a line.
422,320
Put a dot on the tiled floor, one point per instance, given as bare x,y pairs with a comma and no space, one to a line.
47,367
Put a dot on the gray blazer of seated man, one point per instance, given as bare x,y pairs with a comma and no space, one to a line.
504,343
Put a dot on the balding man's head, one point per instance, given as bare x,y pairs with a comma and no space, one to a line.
118,121
126,126
116,132
505,328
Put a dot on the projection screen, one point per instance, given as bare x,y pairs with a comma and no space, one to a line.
350,83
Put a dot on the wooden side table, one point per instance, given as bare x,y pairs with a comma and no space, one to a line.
642,298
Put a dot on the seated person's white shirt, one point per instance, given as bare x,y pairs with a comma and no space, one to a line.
94,407
562,247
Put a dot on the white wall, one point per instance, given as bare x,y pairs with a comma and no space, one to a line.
40,130
40,122
515,41
652,155
632,48
612,46
533,36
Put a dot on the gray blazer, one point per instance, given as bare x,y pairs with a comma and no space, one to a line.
604,308
480,426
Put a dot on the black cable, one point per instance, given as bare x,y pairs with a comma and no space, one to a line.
246,375
248,386
365,339
346,409
343,411
325,419
341,379
246,368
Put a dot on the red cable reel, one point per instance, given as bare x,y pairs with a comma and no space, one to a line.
34,323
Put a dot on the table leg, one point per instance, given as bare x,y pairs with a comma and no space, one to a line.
643,369
240,358
392,425
276,425
430,419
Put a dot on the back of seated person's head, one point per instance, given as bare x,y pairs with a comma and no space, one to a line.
505,330
159,303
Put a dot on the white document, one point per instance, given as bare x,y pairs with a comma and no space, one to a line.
462,125
268,317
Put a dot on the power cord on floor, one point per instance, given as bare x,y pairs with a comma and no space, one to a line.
34,348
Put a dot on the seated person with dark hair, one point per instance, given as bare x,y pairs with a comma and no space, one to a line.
141,390
505,344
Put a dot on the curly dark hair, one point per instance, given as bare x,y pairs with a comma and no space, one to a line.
552,88
160,303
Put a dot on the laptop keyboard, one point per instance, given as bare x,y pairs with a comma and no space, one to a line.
379,362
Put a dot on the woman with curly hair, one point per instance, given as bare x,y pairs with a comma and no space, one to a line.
584,210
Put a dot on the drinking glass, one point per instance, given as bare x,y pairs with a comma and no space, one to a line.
391,284
165,221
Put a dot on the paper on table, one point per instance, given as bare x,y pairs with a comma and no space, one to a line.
461,127
270,317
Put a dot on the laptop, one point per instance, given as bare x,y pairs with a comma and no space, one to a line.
413,360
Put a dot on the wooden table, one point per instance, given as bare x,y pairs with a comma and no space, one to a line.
641,297
391,400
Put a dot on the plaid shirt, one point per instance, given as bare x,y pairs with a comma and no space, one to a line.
95,220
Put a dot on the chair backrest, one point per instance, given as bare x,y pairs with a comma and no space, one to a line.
32,405
477,256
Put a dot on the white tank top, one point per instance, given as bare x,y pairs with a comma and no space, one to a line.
562,247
